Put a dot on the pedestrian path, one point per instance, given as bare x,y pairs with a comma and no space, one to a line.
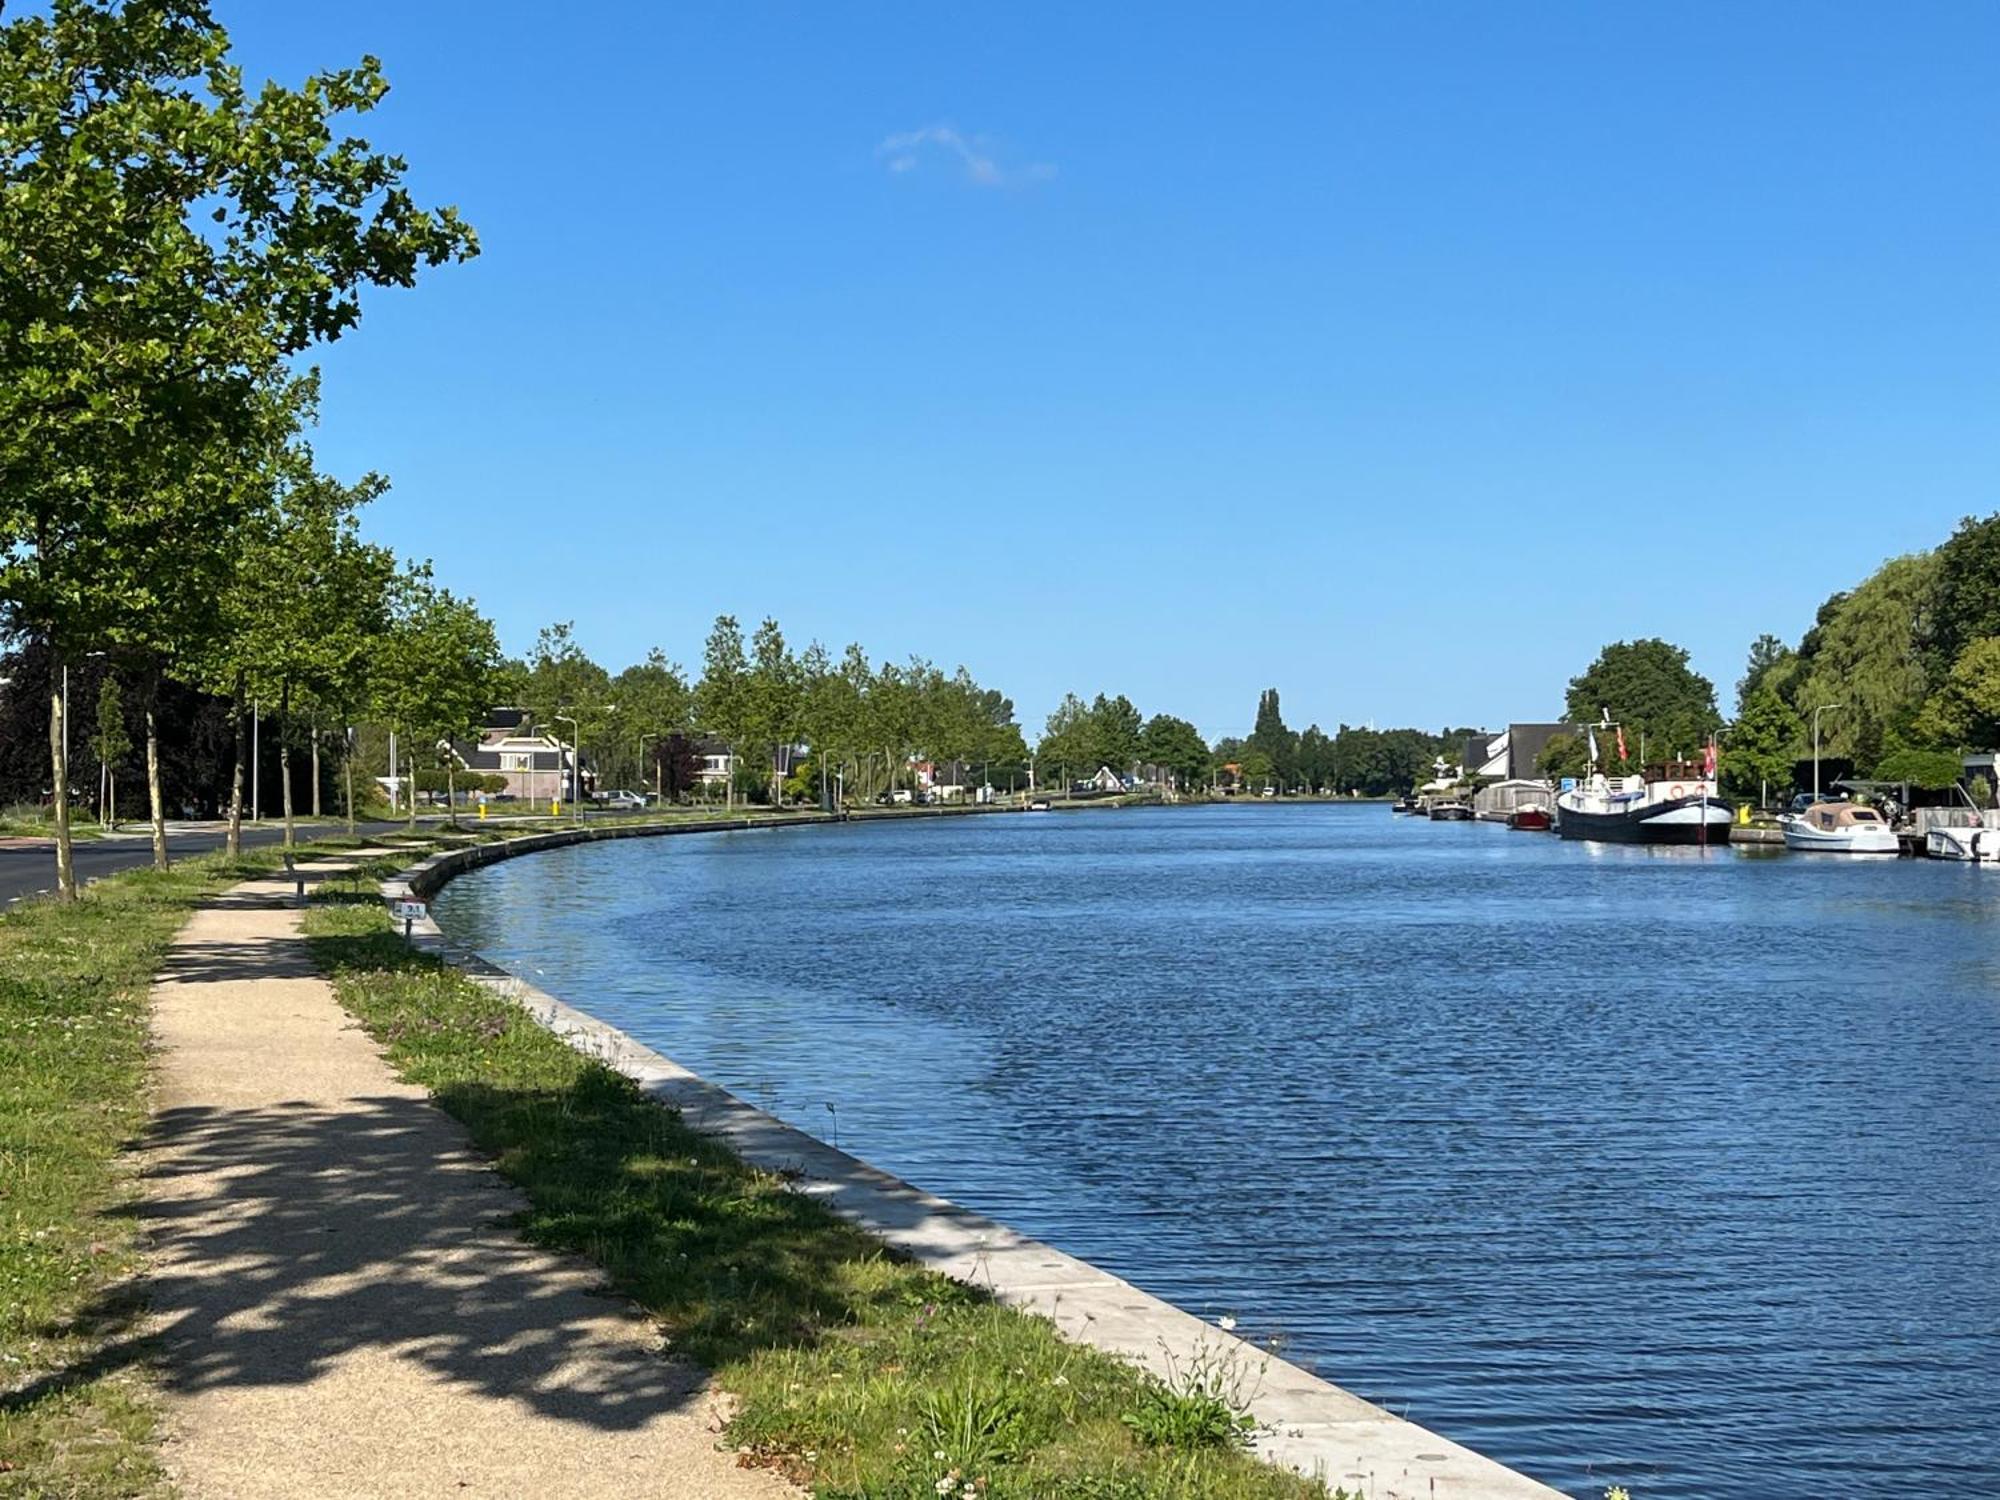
342,1307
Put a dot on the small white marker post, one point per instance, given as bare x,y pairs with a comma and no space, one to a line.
408,912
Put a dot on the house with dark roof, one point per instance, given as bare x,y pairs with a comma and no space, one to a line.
538,766
1511,754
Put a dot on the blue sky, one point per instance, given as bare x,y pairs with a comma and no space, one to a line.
1395,356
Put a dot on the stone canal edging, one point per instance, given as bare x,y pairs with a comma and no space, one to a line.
1309,1423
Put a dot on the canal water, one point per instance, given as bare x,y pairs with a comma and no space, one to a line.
1666,1168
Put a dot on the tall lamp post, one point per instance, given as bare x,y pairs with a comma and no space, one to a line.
659,791
1816,713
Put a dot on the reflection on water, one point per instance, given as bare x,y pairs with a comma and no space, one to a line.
1664,1167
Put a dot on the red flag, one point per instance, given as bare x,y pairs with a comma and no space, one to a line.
1621,742
1708,759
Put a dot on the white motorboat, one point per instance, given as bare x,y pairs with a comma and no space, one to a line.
1975,844
1840,828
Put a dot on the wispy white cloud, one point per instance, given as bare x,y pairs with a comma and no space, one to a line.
974,157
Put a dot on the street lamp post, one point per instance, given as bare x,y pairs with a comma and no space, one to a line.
659,791
1816,713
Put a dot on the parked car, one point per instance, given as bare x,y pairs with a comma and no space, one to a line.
621,801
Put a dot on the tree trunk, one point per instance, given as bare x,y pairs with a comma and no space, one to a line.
235,840
315,766
451,791
729,778
347,770
156,797
285,761
59,779
411,800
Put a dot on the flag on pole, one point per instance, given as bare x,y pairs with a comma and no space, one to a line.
1592,731
1708,758
1621,742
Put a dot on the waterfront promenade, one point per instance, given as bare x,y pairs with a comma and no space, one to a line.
342,1306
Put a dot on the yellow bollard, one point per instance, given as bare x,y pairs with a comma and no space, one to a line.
482,812
555,807
1743,816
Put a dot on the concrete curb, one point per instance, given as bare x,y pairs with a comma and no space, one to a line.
1310,1424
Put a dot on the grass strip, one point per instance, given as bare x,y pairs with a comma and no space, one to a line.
76,1413
856,1372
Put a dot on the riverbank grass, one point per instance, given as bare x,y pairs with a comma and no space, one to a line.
76,1414
856,1373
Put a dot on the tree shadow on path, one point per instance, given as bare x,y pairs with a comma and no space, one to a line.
290,1238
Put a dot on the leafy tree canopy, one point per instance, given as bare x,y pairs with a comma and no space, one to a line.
1866,652
1966,607
1933,770
1965,710
1176,746
1763,744
1769,658
1648,687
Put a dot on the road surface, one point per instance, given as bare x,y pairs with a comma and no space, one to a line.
30,869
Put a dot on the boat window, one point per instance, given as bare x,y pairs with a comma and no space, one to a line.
1865,815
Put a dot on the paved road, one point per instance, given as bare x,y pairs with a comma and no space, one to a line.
30,870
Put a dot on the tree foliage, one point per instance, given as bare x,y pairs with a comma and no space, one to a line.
1965,606
1648,687
1563,755
1175,746
1769,656
436,669
1965,710
170,240
1932,770
1866,652
1763,744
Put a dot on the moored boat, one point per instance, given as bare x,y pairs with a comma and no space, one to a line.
1976,844
1632,810
1450,812
1529,820
1839,828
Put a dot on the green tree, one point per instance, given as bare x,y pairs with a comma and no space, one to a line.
1932,770
169,241
1648,687
1068,742
722,699
435,671
1563,755
1176,746
1115,726
1866,652
1763,744
1315,758
774,699
111,742
306,609
1965,605
561,677
1768,656
1279,744
655,704
1965,710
